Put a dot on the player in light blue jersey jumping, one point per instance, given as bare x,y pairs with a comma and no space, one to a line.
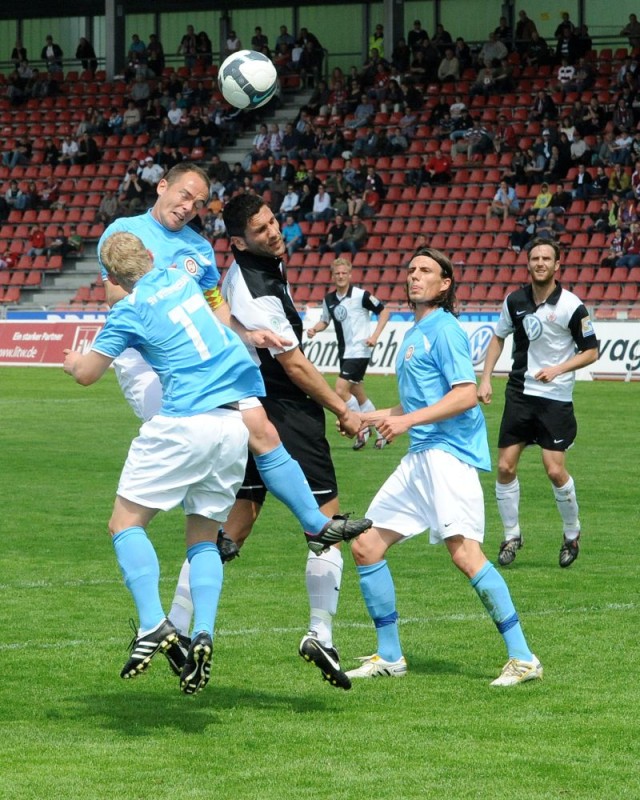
436,485
192,452
164,230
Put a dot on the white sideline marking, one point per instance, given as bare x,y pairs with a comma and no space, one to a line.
112,640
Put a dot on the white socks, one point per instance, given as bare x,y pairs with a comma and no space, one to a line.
508,497
567,505
182,607
323,577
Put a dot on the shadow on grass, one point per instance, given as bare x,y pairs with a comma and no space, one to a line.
425,666
136,711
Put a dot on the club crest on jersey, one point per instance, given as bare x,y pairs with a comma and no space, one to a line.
532,327
340,313
274,323
190,266
409,352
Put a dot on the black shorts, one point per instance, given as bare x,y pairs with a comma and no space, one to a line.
551,424
353,369
301,425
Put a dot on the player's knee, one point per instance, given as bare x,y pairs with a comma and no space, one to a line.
263,439
506,472
557,474
367,550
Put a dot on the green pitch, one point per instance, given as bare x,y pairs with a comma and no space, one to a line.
267,727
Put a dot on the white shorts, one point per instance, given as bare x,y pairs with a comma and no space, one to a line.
431,490
142,389
139,383
198,461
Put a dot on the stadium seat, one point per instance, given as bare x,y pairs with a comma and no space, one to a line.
629,293
11,295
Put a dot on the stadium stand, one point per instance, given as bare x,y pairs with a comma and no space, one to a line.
450,216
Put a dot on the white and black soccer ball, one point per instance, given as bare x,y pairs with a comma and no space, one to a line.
247,79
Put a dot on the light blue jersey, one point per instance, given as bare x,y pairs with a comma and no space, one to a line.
434,357
184,249
201,364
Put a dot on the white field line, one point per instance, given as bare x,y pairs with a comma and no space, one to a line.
435,619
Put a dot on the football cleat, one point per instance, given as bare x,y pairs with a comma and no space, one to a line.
197,668
176,653
339,529
376,667
227,548
381,443
144,648
569,551
325,658
361,439
517,671
508,550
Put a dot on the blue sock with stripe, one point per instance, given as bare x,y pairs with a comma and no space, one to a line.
379,593
205,581
494,593
284,478
141,572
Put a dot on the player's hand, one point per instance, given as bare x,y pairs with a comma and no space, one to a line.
371,342
70,359
311,332
547,374
391,427
485,392
349,423
267,338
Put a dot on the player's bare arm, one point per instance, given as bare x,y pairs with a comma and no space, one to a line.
485,391
383,318
257,338
85,368
459,398
319,326
580,360
373,417
307,378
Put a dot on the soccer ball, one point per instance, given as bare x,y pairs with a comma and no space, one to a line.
247,79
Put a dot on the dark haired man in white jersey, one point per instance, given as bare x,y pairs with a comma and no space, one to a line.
553,337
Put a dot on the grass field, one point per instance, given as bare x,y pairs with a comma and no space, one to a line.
267,727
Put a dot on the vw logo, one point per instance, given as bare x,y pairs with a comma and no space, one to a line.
532,327
340,313
479,342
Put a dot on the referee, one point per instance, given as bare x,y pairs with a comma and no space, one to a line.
552,338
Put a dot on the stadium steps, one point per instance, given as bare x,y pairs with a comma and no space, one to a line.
58,290
291,104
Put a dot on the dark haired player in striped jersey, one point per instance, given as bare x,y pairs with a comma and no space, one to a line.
552,338
350,309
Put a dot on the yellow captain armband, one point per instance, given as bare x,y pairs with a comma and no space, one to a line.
214,298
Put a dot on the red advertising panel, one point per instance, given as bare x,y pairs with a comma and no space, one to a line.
42,344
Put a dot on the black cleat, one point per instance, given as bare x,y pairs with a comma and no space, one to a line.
325,658
145,647
197,669
176,653
340,529
569,551
361,440
227,548
508,550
